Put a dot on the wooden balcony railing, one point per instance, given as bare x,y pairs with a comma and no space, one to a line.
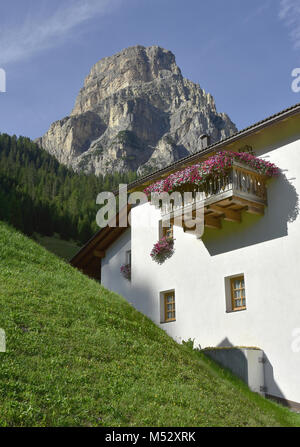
242,189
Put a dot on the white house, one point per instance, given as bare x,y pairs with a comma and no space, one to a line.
237,285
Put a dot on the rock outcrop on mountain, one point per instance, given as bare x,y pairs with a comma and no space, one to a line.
135,112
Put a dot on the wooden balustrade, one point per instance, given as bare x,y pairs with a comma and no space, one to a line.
224,197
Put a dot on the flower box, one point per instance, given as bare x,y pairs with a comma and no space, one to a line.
224,185
162,250
126,271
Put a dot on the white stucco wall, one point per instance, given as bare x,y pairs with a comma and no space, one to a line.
265,249
115,257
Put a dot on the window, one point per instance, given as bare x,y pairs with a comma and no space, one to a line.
128,257
168,231
238,296
169,306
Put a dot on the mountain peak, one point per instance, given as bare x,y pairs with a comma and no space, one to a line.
137,64
135,112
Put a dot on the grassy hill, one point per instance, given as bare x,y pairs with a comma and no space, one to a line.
78,354
61,248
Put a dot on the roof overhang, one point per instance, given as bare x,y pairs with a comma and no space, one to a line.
240,136
88,259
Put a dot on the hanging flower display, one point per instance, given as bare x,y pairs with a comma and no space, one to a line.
162,250
215,166
126,271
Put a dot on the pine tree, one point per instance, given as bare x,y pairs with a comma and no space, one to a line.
38,194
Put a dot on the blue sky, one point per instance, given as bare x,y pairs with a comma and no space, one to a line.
241,52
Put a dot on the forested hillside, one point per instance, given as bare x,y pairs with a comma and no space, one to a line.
38,194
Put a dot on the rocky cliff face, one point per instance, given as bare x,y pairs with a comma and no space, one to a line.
135,112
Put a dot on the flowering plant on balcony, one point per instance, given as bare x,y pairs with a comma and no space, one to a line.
216,166
126,271
162,250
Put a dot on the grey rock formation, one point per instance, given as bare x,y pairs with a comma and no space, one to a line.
135,112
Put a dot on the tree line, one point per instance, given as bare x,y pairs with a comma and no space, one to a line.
38,194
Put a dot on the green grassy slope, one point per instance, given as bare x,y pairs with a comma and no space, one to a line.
78,354
64,249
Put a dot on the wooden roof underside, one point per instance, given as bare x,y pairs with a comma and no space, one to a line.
88,259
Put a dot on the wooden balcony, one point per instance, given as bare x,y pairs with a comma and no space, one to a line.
243,189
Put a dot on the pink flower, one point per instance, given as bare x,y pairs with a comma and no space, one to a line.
217,165
126,271
162,250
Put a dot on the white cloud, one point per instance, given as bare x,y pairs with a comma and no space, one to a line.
257,12
39,33
289,13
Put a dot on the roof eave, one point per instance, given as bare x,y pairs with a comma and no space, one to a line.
215,146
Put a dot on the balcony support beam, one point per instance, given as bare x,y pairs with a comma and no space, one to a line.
259,211
213,222
252,207
229,214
